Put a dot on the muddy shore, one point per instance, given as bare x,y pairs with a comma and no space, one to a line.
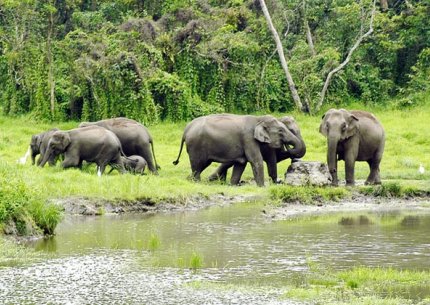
285,210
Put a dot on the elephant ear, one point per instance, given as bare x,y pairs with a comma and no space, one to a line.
323,127
62,139
261,134
352,126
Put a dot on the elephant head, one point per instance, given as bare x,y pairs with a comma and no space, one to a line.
57,145
276,135
300,150
337,126
35,143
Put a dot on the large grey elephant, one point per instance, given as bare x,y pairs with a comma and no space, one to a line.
38,145
134,137
270,156
229,138
353,136
91,144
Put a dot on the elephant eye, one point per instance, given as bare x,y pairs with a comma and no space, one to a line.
344,126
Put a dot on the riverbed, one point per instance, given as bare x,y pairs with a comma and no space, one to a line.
230,254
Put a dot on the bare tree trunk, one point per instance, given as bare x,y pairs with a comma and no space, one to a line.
347,59
309,38
308,30
284,64
51,80
384,5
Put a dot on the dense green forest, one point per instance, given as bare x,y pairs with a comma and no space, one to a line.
174,60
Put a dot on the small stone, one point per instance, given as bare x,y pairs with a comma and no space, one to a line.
308,173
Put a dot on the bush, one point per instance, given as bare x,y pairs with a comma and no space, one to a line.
308,194
22,209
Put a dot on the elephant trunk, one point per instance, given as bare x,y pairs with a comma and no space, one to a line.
46,156
332,142
298,148
33,156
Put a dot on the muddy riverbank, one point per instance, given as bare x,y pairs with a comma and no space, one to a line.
285,210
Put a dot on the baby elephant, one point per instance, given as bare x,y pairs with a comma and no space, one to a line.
134,164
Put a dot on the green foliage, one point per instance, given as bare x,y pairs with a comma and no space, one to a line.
152,60
154,242
392,190
21,208
308,194
196,261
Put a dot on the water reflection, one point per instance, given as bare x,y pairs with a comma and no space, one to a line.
241,237
112,258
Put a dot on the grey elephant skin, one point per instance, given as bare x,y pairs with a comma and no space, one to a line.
270,156
91,144
353,136
134,137
133,164
235,139
39,144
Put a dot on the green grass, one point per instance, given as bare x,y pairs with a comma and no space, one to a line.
363,285
13,254
407,146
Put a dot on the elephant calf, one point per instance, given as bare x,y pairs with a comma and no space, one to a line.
39,144
134,164
353,136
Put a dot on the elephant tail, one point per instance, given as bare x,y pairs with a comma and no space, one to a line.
153,153
180,150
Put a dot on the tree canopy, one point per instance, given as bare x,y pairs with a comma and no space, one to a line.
177,59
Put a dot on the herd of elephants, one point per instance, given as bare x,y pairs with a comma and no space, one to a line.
229,139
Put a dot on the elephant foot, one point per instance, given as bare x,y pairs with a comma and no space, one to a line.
215,177
367,182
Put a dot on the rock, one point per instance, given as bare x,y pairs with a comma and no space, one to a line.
308,173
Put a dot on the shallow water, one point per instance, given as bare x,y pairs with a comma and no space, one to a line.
142,259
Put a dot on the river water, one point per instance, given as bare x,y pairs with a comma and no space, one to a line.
151,259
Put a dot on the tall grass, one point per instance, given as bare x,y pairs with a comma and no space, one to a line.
22,210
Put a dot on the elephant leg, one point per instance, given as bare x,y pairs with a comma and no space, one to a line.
71,162
221,172
253,155
100,169
197,167
238,169
373,177
145,152
349,171
272,167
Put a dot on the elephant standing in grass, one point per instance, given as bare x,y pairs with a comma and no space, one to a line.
235,139
269,153
134,137
39,144
353,136
91,144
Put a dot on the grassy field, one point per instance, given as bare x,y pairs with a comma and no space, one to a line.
407,146
24,190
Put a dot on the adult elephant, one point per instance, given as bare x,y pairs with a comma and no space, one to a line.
39,144
270,156
91,144
134,137
229,138
353,136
